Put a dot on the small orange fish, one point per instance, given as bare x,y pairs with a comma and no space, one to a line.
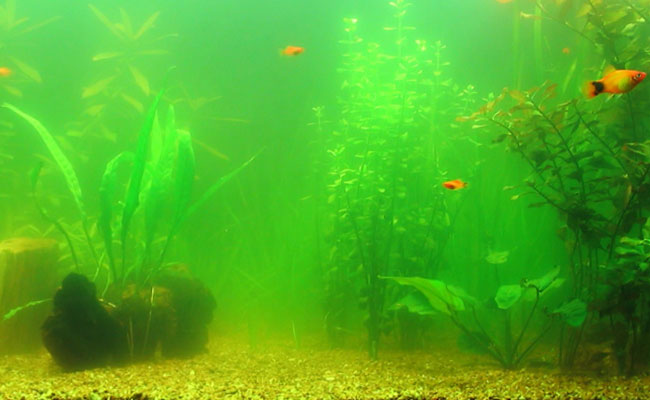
4,71
455,184
566,50
292,50
615,81
504,1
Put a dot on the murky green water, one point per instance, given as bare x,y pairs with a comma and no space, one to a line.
378,176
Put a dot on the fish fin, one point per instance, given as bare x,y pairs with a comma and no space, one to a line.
609,69
592,88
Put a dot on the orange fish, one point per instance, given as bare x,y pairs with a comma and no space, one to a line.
4,71
566,50
292,50
455,184
615,81
504,1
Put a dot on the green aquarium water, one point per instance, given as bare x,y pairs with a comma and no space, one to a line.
343,199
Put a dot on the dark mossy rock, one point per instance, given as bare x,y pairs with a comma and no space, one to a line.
149,317
194,305
173,314
81,333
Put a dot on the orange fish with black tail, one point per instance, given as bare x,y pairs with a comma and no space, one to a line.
292,50
454,185
615,81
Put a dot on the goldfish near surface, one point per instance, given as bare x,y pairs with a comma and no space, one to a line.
455,184
615,81
292,50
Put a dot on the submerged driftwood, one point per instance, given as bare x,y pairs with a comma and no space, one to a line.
28,272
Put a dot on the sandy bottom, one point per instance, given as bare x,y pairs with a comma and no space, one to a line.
231,370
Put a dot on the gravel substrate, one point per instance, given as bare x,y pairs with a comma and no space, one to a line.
232,371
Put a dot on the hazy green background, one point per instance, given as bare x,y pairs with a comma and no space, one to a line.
255,243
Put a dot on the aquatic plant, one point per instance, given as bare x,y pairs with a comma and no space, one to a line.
161,175
120,83
133,47
383,157
475,318
579,168
13,29
589,161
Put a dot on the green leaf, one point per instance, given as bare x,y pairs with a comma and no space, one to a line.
131,201
157,196
440,297
133,102
646,229
573,313
106,201
62,161
544,282
217,185
184,177
96,87
111,27
16,310
126,23
148,24
29,71
107,55
415,303
140,80
507,296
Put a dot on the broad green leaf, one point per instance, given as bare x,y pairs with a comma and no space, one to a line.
158,195
96,87
106,202
140,80
507,296
439,296
544,282
530,294
62,161
415,303
573,313
132,201
29,71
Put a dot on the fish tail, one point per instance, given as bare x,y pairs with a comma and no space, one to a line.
593,88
